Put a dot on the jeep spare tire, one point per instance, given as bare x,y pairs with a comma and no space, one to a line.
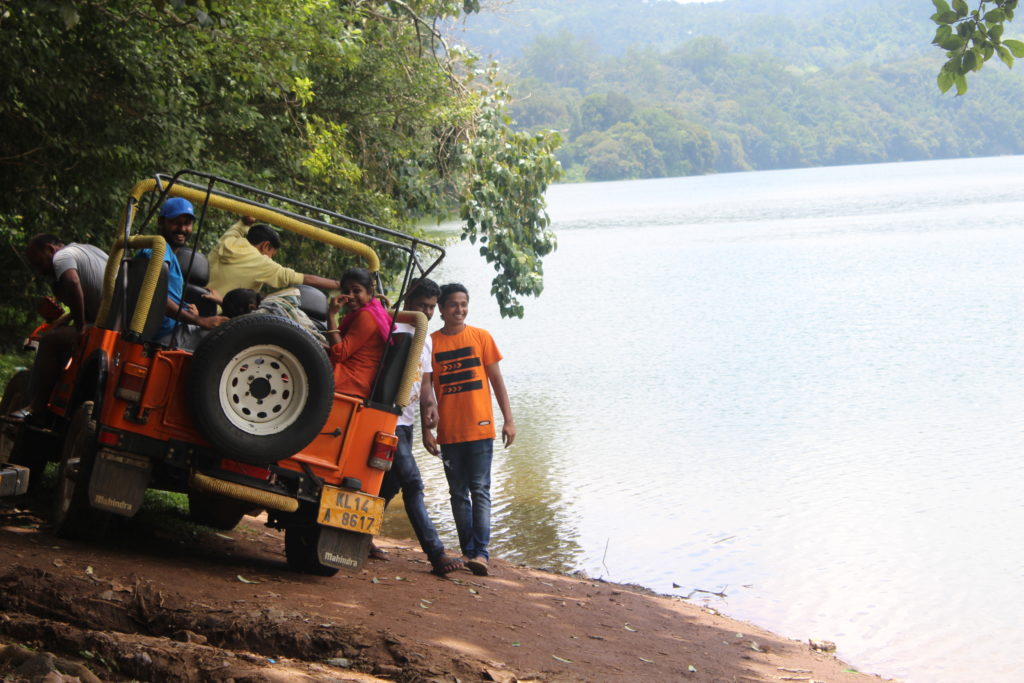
261,388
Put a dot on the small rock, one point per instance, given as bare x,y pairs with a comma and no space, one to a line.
500,676
387,670
78,671
822,645
37,666
340,662
186,636
142,659
347,651
15,655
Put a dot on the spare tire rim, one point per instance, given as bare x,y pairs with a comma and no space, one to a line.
263,389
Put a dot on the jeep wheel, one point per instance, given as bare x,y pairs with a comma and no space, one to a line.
216,512
73,516
261,388
300,549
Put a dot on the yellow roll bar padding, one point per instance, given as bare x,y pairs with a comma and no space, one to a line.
264,214
412,363
266,499
149,280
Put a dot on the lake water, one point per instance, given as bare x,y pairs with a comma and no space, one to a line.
803,389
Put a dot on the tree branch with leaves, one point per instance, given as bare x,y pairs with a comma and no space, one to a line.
971,37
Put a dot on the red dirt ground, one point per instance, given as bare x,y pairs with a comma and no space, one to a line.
189,605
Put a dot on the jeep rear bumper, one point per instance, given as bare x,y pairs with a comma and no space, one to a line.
13,479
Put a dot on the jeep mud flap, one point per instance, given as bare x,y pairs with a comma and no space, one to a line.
118,482
343,549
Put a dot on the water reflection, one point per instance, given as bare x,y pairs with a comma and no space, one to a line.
531,520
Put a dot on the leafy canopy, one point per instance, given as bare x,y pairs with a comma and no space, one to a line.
357,106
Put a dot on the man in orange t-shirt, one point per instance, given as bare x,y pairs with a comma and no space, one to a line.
465,369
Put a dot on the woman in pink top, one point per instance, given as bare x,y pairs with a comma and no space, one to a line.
358,339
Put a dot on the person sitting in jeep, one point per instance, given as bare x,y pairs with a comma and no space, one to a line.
358,339
175,225
284,304
244,259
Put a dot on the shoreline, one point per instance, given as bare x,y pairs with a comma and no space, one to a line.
155,602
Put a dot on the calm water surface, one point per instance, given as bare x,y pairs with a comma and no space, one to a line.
800,388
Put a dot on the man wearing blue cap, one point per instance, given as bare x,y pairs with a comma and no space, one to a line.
174,223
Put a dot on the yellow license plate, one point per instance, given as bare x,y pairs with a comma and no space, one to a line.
350,510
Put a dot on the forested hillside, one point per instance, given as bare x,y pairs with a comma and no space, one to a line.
647,89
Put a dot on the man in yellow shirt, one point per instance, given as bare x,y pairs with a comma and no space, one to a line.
244,259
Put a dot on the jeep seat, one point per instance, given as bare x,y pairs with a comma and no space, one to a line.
195,268
122,315
394,364
313,303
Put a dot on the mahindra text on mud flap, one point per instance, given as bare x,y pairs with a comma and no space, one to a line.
248,421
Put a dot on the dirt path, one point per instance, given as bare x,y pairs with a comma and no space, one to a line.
180,605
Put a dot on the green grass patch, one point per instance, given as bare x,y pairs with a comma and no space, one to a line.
10,363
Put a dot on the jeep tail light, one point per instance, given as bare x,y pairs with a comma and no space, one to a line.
261,473
131,382
109,437
383,452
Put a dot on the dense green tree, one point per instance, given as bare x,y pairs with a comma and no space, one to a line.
601,111
686,148
356,106
560,59
611,159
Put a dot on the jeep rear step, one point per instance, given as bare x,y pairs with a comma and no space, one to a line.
13,479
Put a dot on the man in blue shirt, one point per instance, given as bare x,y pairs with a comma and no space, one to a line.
174,223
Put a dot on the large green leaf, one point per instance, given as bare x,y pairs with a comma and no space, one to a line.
1015,46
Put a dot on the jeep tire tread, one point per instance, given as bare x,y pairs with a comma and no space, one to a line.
73,516
216,512
300,550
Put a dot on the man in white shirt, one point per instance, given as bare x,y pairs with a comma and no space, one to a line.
404,474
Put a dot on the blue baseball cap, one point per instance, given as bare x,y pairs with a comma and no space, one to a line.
176,206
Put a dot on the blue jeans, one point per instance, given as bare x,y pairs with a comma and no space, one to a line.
405,475
468,468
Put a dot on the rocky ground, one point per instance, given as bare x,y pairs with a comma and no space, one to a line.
161,600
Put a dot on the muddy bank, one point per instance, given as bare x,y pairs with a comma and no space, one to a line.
162,601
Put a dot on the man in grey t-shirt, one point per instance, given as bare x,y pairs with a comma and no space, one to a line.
84,264
75,272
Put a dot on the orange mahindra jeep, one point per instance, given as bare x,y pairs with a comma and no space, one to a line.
248,421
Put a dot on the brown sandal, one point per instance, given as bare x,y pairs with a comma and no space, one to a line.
478,565
444,565
377,553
